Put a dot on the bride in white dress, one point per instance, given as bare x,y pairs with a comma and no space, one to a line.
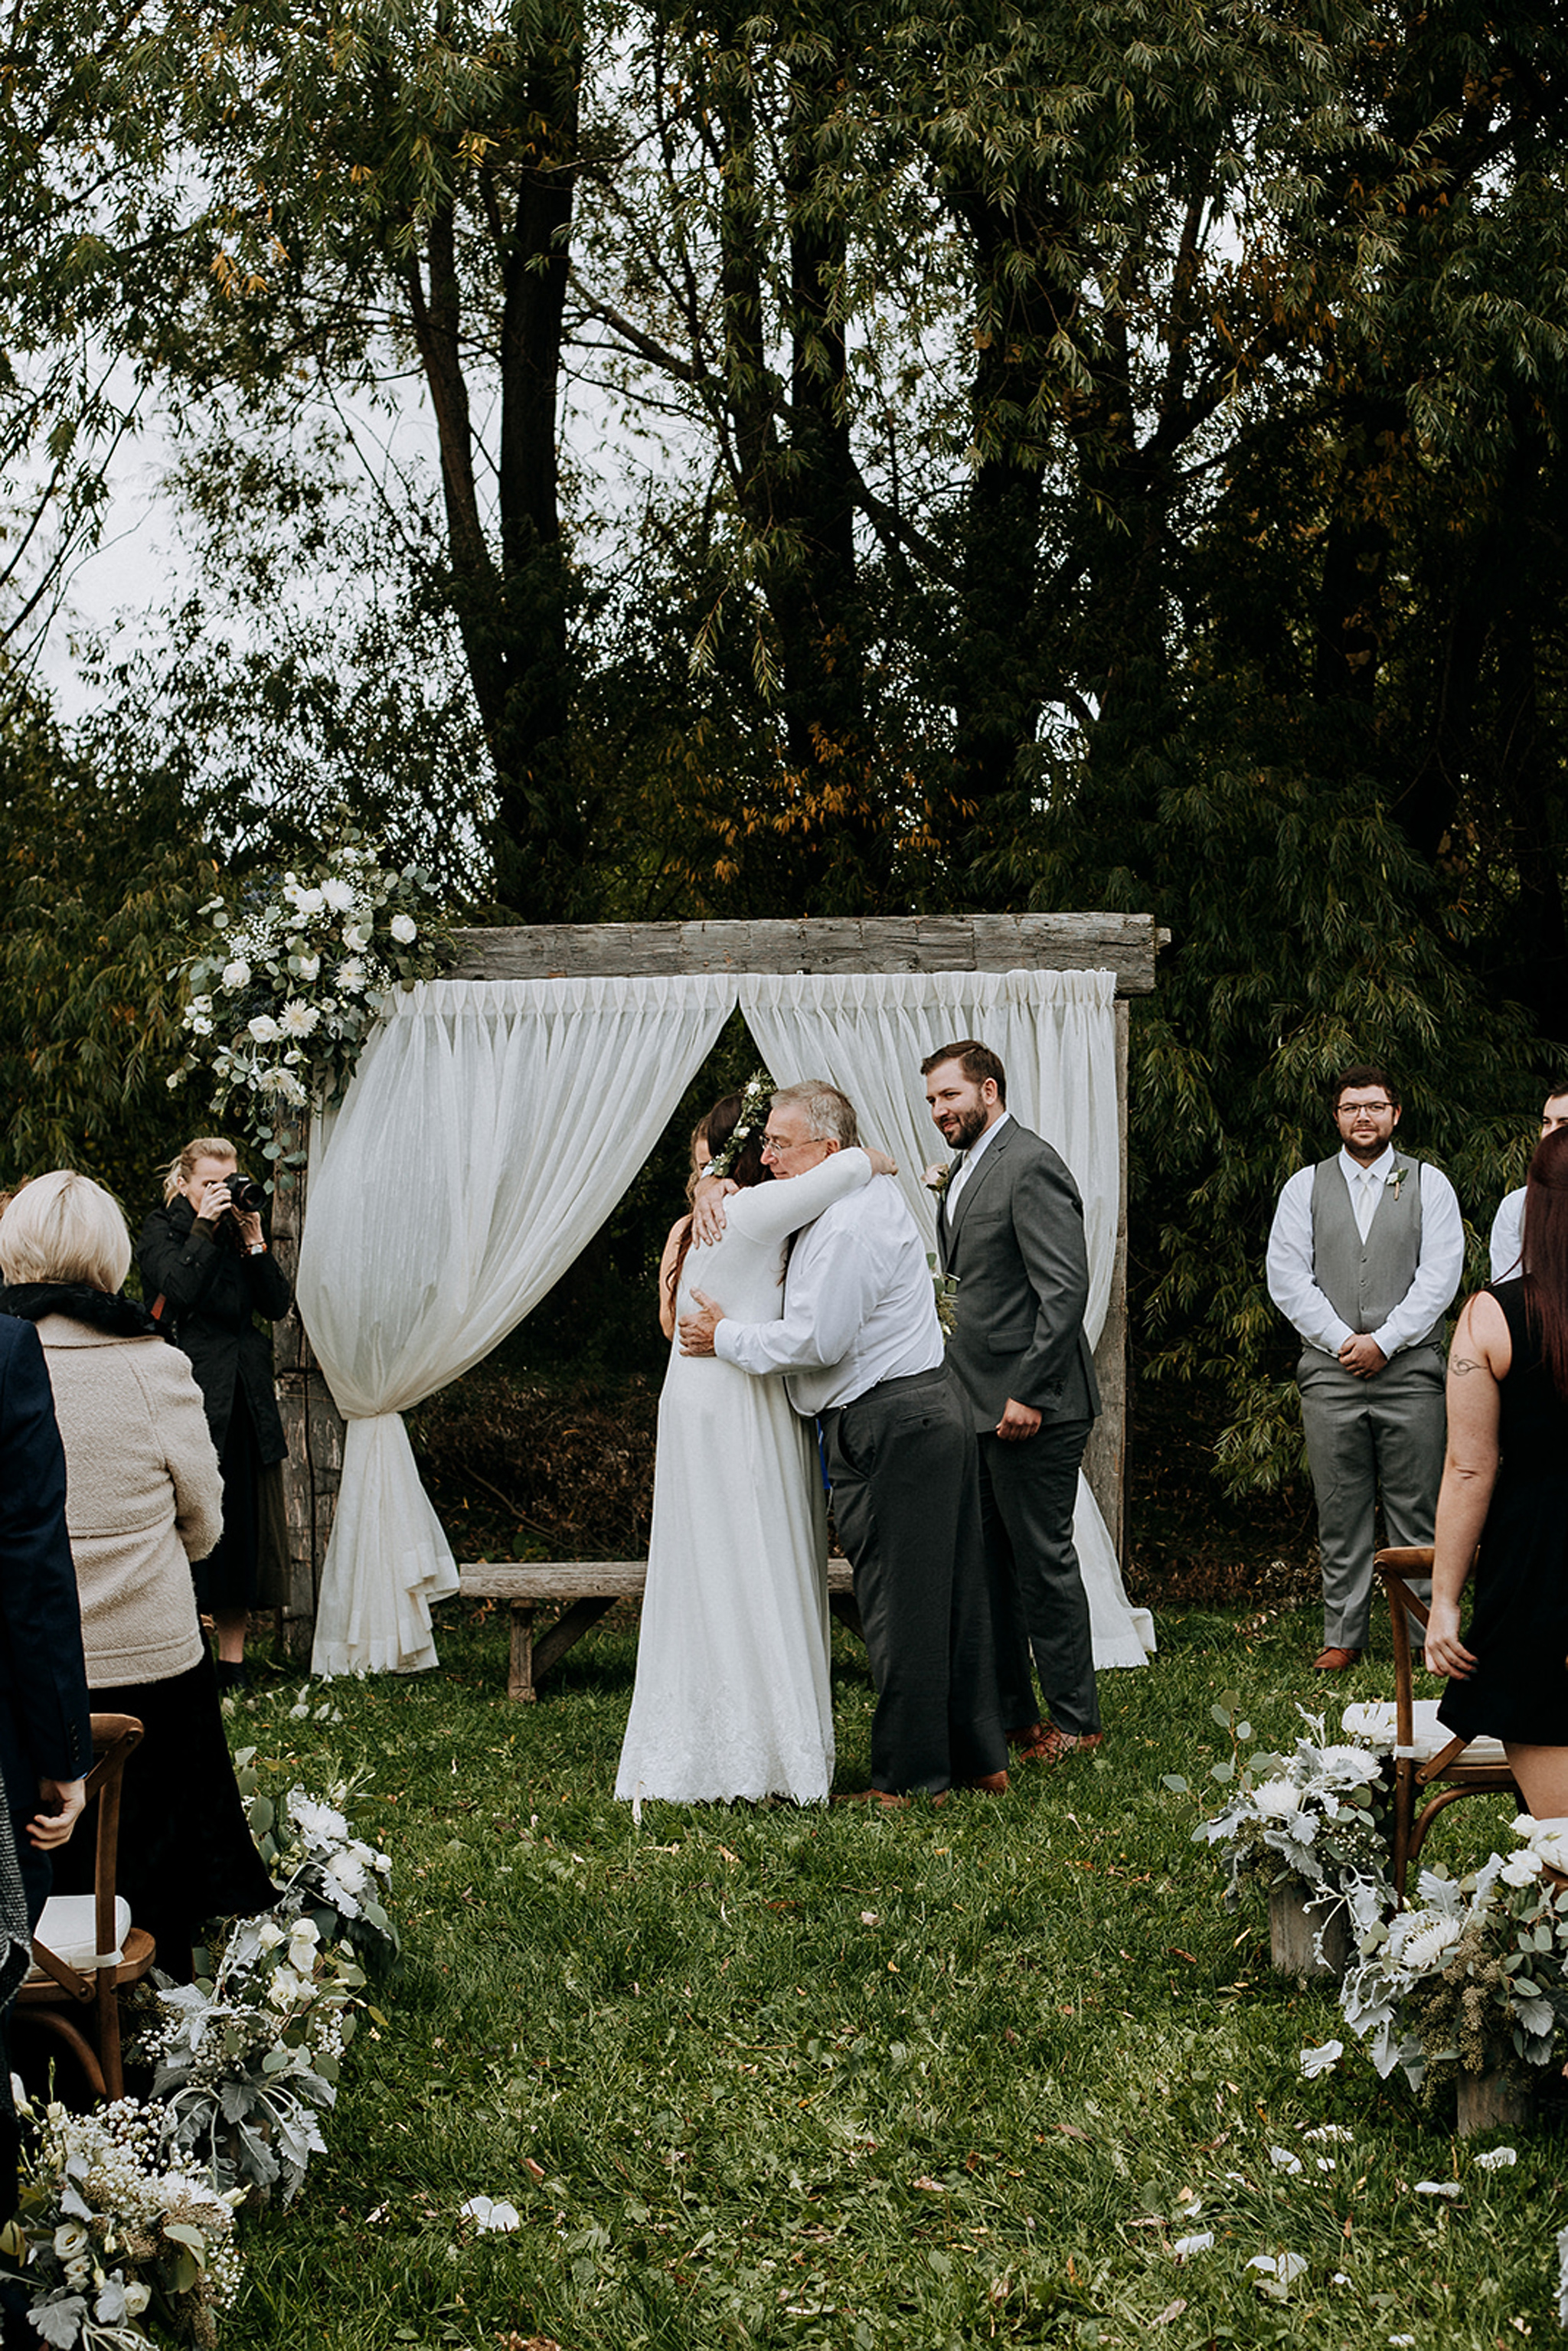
732,1697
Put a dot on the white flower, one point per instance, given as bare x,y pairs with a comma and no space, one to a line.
1437,2188
137,2297
311,902
1498,2158
1283,2160
1286,2267
310,965
236,975
198,1024
285,1988
70,2239
1520,1868
355,937
297,1019
1318,2061
201,1004
337,896
1550,1840
316,1823
284,1085
486,2215
264,1029
1278,1798
349,1873
351,977
405,930
1420,1940
1185,2247
269,1934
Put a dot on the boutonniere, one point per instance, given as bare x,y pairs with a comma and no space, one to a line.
1394,1182
937,1177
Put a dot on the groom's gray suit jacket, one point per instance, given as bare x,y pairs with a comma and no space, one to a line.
1016,1243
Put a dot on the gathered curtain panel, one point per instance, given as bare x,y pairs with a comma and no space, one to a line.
492,1126
1055,1034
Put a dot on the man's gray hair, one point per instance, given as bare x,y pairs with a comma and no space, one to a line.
829,1115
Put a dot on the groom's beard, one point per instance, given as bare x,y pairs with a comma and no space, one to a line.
967,1129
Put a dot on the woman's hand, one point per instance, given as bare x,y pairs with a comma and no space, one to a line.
881,1165
213,1204
62,1801
250,1231
1446,1653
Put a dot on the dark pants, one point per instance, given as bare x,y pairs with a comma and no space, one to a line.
1027,1489
907,1508
23,1800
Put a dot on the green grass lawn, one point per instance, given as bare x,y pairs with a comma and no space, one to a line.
956,2077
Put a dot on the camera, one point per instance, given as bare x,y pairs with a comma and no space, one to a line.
247,1196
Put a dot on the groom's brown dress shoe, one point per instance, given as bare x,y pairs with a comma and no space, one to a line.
1335,1661
990,1784
1030,1736
882,1796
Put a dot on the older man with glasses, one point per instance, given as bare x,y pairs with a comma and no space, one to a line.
861,1349
1365,1257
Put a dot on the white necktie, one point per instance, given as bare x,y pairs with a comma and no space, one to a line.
1367,1189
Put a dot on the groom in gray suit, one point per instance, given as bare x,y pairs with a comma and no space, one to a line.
1010,1228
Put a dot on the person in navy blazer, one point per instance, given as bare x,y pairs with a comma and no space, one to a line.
1010,1228
46,1727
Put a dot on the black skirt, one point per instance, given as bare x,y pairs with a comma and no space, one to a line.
225,1580
186,1853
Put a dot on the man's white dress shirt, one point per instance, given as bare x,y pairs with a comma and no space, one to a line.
971,1161
1290,1260
859,1305
1508,1236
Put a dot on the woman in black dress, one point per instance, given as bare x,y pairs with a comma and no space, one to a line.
209,1263
1505,1488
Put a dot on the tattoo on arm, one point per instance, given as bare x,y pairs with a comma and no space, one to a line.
1460,1364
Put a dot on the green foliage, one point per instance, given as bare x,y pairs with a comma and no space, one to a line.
94,887
759,2076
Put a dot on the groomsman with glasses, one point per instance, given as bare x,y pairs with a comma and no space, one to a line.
1365,1258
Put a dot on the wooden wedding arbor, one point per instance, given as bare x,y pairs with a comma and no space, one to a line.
1124,944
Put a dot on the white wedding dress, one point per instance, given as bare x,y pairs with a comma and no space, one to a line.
732,1697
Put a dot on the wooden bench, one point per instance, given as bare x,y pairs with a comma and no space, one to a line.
590,1588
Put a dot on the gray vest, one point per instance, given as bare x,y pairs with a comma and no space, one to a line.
1365,1281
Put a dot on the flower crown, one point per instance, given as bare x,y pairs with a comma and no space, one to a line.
759,1091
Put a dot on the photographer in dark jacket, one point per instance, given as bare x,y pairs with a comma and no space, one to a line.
204,1255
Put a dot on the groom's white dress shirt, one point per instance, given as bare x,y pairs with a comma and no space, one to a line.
1291,1283
859,1305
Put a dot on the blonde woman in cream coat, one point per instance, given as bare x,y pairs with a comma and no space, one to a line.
144,1499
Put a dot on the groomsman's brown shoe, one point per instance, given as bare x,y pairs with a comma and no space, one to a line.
1030,1736
882,1796
990,1784
1053,1745
1335,1661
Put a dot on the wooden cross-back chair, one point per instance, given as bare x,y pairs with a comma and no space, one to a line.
1432,1769
59,1988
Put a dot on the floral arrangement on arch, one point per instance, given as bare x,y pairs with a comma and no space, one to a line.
1318,1815
1475,1976
282,996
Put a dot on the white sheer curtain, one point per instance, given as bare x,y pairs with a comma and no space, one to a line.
1055,1033
488,1130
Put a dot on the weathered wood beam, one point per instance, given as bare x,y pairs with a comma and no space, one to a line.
1124,944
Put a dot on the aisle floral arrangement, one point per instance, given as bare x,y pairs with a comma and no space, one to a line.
1318,1816
1473,1978
128,2214
282,995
